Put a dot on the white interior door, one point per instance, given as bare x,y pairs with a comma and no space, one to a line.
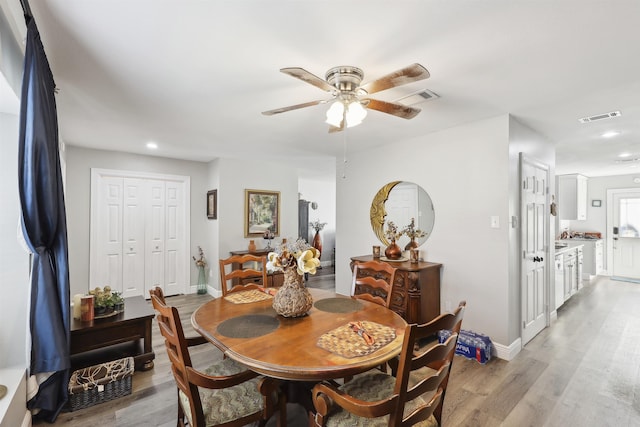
133,237
173,238
625,244
106,255
535,231
155,229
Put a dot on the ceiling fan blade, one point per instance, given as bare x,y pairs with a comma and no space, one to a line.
409,74
305,76
398,110
293,107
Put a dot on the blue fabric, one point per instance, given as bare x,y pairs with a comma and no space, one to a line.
45,229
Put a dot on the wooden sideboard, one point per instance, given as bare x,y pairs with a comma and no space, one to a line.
275,278
416,291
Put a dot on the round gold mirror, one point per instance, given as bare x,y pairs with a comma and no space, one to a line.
399,202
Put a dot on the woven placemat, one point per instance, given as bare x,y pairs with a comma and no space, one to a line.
245,297
248,326
344,342
338,305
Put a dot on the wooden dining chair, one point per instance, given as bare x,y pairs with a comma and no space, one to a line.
226,393
446,321
191,341
373,281
379,399
245,278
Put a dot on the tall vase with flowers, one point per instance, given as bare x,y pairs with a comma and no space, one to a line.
412,233
293,259
317,241
392,234
201,263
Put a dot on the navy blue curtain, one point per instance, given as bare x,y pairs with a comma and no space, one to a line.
45,228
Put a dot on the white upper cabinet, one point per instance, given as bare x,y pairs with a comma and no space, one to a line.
572,197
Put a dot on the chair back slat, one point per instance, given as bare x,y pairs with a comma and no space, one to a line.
373,281
228,274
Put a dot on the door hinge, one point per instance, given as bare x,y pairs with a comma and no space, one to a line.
524,324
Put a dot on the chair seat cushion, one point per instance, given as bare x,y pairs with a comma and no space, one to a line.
372,386
227,404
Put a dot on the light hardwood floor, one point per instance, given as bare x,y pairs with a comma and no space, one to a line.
582,371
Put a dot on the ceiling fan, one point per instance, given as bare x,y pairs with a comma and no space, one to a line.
350,100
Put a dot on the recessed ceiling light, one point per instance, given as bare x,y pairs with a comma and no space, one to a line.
152,145
623,155
611,134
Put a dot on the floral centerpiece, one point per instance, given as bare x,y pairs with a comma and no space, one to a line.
201,263
392,234
294,260
412,233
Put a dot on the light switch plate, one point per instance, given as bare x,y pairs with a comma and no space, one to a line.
495,222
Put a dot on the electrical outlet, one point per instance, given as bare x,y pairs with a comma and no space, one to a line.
447,305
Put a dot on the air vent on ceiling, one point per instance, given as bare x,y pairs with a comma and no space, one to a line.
628,160
600,117
417,97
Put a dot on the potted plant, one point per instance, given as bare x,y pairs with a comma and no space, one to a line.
118,301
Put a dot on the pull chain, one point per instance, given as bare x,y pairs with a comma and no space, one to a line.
344,153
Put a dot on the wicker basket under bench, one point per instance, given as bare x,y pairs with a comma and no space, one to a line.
100,383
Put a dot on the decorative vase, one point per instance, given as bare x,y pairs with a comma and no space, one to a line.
293,298
317,242
411,245
252,245
393,251
202,280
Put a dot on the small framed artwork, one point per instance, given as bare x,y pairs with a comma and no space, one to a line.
596,203
261,213
212,204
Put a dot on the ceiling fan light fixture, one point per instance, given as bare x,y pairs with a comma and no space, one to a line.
335,114
355,114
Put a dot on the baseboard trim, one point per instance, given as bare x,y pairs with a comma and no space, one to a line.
509,352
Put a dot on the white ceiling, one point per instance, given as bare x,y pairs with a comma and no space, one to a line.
195,75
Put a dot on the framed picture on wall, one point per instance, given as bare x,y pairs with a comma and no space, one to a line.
212,204
261,213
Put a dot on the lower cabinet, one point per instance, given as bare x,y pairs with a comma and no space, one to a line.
568,274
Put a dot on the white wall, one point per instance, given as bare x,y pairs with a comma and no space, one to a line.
14,261
465,171
78,201
323,192
235,176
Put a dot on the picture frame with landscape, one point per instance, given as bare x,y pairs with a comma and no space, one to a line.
261,213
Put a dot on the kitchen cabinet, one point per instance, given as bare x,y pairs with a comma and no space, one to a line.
572,197
593,250
568,269
570,274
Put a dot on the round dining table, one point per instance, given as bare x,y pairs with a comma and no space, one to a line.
323,344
